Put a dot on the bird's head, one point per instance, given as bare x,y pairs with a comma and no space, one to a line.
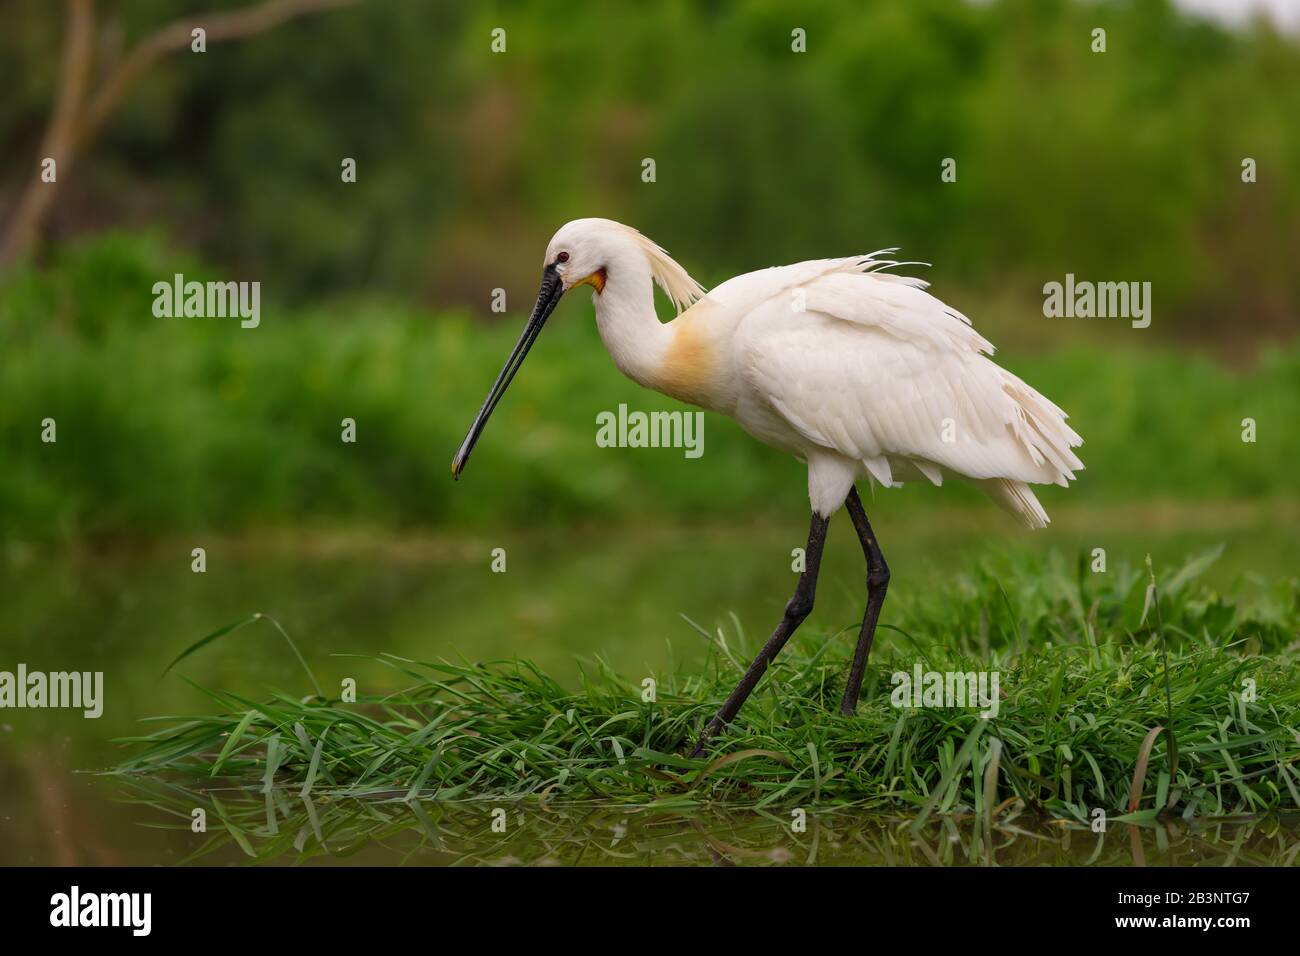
582,252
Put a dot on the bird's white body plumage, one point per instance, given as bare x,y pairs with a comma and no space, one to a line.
854,369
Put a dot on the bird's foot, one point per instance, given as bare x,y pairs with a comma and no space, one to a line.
710,729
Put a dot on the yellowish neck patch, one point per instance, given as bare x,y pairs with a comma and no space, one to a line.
596,280
689,362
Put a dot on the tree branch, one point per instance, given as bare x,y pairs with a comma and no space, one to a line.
60,138
176,36
74,123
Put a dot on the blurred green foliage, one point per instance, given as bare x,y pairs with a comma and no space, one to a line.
1123,165
1116,166
169,425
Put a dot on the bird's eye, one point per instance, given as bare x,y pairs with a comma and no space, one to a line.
562,257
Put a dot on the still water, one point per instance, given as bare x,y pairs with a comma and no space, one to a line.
565,597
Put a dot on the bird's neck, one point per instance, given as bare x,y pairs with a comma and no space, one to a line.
682,358
625,315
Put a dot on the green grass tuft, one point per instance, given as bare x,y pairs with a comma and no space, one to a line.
1083,685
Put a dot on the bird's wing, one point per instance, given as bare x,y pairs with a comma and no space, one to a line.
752,289
879,370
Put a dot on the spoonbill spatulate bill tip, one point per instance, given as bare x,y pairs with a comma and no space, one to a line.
844,363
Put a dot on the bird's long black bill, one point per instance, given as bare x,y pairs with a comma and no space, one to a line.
549,294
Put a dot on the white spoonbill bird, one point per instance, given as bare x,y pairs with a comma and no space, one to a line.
852,368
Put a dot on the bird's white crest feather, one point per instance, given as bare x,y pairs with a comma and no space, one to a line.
667,274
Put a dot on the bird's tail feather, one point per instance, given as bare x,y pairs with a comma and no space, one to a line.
1040,426
1017,498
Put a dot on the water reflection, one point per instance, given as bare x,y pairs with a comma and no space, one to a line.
284,827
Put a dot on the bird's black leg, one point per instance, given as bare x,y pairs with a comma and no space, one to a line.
796,609
877,585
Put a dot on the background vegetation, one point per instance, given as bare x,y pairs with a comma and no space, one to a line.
1116,166
1119,164
171,425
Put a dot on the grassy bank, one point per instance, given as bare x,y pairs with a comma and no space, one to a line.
1083,687
183,424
